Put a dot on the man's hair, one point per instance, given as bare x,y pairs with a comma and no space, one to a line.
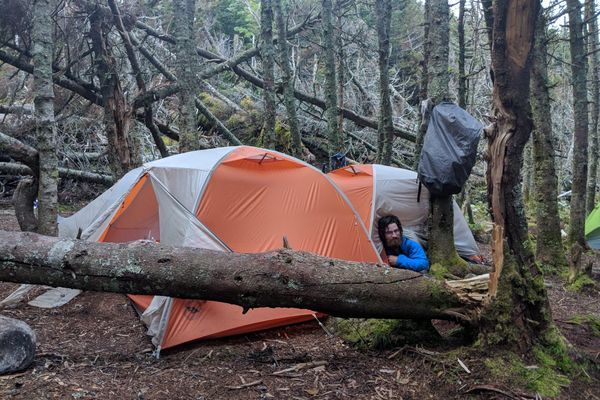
383,224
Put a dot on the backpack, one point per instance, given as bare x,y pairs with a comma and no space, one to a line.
449,149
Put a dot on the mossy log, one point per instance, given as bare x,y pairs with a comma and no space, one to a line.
282,278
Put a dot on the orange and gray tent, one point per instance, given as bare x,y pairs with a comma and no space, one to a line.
377,190
241,199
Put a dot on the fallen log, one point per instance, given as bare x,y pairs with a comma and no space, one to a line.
282,278
19,169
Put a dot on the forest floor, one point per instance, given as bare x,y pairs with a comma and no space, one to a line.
96,347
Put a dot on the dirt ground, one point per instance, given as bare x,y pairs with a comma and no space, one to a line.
96,347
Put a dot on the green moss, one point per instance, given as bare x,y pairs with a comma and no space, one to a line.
592,321
541,377
581,283
384,333
452,268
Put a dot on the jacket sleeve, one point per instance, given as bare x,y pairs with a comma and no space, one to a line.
413,257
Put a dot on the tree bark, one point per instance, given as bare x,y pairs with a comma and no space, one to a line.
281,278
383,9
549,248
580,115
336,143
593,48
185,50
42,52
268,68
288,80
462,78
519,315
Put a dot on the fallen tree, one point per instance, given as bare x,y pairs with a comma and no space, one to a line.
282,278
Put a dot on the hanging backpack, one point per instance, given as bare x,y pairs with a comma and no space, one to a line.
449,149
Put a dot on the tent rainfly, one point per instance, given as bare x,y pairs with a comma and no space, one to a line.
242,199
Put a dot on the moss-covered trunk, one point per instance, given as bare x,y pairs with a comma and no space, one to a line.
549,248
520,313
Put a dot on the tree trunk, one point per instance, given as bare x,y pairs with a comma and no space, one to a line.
123,152
288,80
340,63
281,278
267,53
383,9
442,253
520,313
336,144
592,21
426,105
42,54
185,51
580,115
462,78
141,84
549,248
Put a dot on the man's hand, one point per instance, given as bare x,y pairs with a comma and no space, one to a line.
392,260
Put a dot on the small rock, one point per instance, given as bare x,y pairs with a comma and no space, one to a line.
17,345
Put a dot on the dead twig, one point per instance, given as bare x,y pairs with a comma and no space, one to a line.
245,385
301,366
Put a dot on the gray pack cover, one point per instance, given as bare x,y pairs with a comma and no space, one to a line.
449,150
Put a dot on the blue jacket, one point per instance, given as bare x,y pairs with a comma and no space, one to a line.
412,256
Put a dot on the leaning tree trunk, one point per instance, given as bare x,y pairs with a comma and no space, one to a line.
335,141
42,54
281,278
592,21
520,313
549,248
183,18
383,10
580,133
442,253
288,80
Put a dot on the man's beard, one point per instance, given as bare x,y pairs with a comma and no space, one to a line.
393,243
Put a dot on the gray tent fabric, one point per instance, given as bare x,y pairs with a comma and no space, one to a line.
449,149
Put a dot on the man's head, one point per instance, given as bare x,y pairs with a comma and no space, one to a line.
390,231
